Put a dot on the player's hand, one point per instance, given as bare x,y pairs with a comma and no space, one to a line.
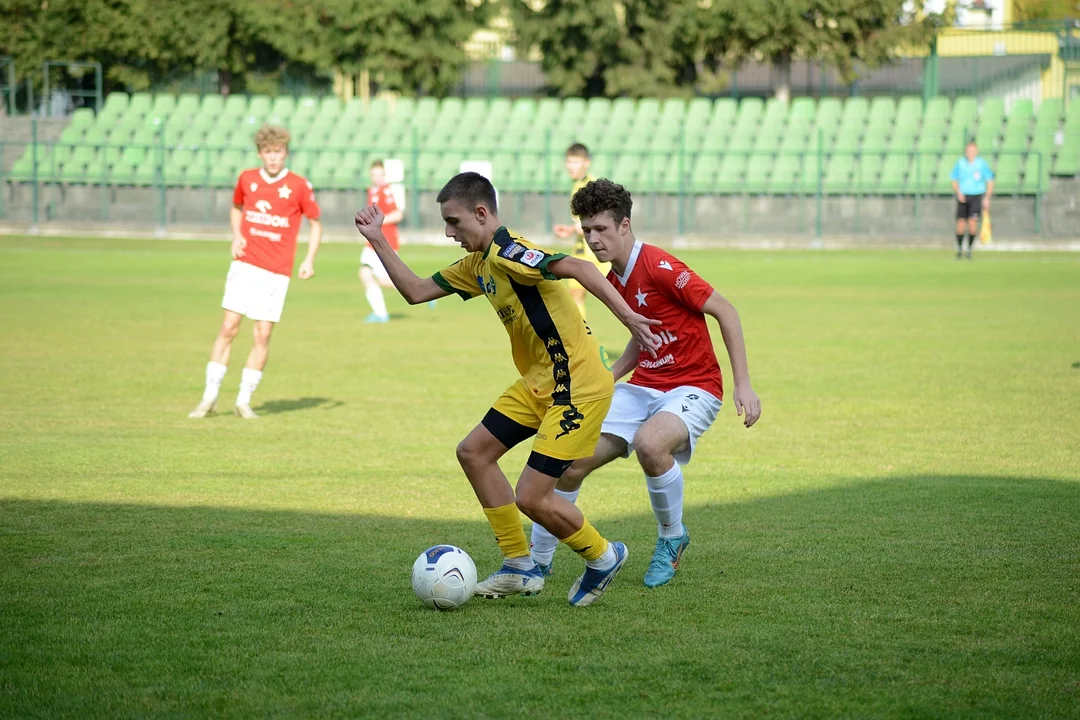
238,245
369,222
563,231
307,269
960,197
641,328
747,400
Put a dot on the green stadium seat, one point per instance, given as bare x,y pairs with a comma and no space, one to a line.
82,118
187,105
785,173
964,112
1068,160
893,174
803,107
1016,138
875,140
259,105
212,105
1022,109
943,179
703,173
116,104
164,104
1036,174
235,106
838,174
938,109
909,110
758,172
810,173
866,173
146,174
1007,174
730,178
140,104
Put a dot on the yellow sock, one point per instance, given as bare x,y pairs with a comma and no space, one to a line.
505,521
587,542
581,308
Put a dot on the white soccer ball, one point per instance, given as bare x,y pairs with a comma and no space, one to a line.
444,577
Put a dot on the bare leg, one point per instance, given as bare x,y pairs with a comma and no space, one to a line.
260,351
479,455
230,326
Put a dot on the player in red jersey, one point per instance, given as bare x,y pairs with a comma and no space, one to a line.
267,206
372,273
672,398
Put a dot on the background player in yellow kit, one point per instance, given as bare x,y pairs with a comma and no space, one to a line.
577,166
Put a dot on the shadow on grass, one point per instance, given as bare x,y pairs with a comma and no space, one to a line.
273,407
911,595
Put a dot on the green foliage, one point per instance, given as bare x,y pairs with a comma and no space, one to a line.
656,48
839,32
1029,10
409,45
639,48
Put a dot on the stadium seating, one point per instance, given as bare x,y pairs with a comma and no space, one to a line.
883,146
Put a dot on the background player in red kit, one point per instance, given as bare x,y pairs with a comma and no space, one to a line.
670,400
267,206
372,273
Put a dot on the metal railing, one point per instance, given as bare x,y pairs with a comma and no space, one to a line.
816,190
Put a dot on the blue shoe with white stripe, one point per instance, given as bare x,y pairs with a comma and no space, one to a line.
511,581
588,588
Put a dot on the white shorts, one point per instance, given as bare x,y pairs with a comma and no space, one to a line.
371,258
632,405
252,291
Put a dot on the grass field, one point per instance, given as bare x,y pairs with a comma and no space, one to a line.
899,535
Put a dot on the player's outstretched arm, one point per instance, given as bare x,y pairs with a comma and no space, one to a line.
412,287
731,329
591,279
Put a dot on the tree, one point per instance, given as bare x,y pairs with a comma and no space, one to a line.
1034,10
839,32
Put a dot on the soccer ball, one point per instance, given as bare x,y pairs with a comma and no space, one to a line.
444,577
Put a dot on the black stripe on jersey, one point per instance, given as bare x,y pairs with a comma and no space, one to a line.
536,311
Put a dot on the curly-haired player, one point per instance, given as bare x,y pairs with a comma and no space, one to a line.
672,398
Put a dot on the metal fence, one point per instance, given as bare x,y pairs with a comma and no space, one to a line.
816,192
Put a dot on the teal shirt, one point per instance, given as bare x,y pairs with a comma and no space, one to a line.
972,176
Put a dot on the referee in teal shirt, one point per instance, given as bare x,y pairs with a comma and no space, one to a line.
973,183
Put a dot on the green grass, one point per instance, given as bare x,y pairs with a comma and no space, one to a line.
899,536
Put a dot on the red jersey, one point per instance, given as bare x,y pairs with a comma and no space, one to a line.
660,286
383,198
272,209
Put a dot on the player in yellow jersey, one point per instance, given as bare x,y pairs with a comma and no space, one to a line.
577,166
560,399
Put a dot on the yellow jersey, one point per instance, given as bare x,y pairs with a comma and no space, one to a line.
580,247
553,348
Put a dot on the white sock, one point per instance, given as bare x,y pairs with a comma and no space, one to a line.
375,300
249,380
521,563
215,373
543,542
605,561
666,495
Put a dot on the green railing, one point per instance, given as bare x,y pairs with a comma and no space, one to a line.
818,190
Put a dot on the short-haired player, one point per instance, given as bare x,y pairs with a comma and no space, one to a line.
372,273
577,163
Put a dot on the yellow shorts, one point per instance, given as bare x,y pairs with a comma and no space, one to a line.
562,432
